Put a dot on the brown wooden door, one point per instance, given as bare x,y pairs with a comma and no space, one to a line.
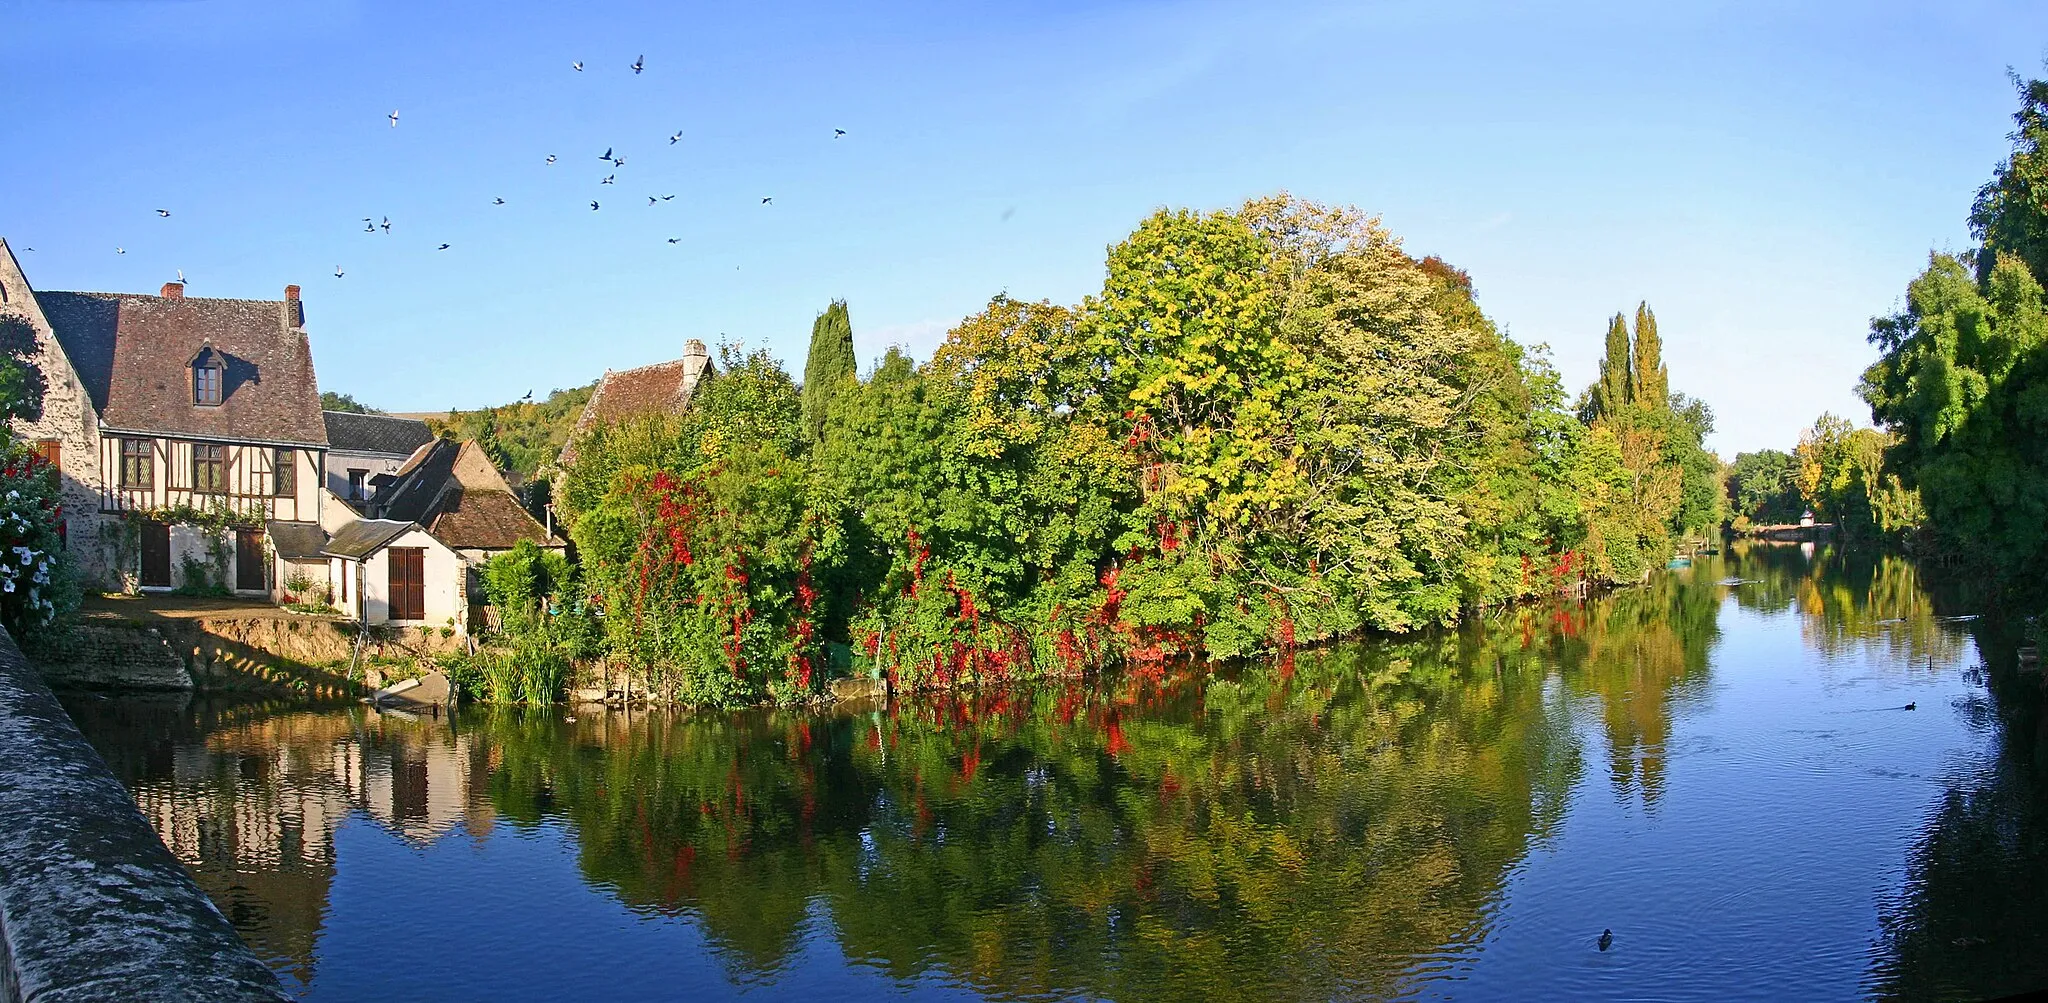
249,560
156,554
408,583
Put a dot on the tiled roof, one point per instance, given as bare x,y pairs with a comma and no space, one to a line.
297,539
375,433
364,537
631,393
461,498
134,354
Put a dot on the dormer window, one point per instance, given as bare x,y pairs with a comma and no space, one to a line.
206,379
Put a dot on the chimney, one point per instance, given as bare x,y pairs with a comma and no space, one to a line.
174,290
295,314
291,294
696,358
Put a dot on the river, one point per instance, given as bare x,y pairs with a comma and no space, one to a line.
1723,775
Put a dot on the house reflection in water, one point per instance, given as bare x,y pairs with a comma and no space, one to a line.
250,799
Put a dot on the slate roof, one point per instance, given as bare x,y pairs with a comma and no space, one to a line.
134,354
296,539
364,537
375,433
631,393
458,494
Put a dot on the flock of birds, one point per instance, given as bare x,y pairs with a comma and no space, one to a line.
610,156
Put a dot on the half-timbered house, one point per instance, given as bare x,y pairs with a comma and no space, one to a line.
180,426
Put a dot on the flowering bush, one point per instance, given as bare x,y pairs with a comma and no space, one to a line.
37,584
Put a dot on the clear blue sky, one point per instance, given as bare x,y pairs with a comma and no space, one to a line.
1767,179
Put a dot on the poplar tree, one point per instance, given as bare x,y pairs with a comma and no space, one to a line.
1651,385
1616,387
829,367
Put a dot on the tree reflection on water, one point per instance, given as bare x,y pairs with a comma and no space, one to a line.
1337,823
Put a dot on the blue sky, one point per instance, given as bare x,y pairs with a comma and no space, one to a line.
1767,179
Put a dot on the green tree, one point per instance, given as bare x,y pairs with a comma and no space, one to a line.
1763,489
2010,214
1615,389
830,365
1649,385
331,401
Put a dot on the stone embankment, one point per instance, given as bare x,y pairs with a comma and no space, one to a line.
92,907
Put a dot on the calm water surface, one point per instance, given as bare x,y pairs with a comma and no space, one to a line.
1722,774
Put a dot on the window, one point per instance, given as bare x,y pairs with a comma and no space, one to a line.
209,469
138,465
358,480
51,451
206,382
284,472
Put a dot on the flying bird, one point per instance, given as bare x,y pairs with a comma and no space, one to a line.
666,198
593,205
677,138
443,247
836,133
651,200
608,179
675,240
369,227
387,224
607,155
181,276
639,63
394,119
337,271
551,158
619,161
767,200
166,213
577,66
120,250
497,201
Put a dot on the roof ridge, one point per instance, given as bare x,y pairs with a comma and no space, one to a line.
154,296
385,417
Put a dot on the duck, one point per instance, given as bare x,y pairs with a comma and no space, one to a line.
1912,706
1606,939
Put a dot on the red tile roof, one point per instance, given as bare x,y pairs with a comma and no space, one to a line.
664,387
135,353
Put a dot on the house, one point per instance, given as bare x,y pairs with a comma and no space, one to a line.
662,388
180,426
411,555
361,448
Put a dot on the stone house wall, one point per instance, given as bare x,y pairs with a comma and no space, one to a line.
68,418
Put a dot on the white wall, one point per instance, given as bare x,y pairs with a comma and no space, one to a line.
319,569
339,463
444,573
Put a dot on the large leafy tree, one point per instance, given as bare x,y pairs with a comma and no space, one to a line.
2011,211
1763,489
1963,387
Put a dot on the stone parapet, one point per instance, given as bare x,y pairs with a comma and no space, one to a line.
92,907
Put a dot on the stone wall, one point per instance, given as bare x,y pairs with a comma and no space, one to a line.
67,417
123,656
92,907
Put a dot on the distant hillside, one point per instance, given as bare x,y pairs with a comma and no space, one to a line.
521,436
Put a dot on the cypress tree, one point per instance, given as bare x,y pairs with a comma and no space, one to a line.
1615,389
1652,383
830,364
